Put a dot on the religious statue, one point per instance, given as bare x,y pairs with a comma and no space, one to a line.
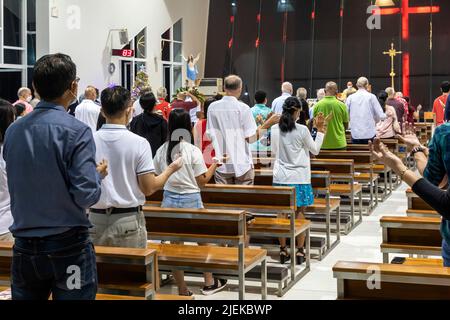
192,70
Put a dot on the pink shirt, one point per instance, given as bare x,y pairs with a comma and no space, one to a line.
28,107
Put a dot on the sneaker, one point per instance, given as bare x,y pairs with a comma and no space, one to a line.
219,284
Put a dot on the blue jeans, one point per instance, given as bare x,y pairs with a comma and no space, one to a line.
63,265
182,201
446,253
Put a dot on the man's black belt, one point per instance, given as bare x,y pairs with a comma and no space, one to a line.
116,210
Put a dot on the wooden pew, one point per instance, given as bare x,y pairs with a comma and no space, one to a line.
393,145
322,205
263,202
341,170
343,173
358,280
418,207
409,235
121,271
364,163
211,227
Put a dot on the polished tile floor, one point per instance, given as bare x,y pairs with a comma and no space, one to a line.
362,244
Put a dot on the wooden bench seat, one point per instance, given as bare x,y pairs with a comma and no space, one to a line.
422,262
411,235
210,228
320,181
121,271
207,258
263,226
422,213
357,280
261,201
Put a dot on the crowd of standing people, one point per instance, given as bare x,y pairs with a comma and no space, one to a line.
99,159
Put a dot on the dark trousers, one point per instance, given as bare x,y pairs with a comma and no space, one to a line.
446,253
362,141
63,266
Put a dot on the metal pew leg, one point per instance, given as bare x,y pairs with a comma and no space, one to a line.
264,280
385,257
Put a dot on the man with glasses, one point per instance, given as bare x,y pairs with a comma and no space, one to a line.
53,178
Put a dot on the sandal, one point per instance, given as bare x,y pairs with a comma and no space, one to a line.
188,294
301,259
284,255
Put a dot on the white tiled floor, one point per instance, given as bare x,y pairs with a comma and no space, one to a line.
362,244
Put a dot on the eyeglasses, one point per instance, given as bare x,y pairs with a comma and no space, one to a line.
77,79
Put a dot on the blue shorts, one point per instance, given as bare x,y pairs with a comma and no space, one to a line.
182,201
304,193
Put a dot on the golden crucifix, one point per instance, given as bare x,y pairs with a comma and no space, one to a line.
392,53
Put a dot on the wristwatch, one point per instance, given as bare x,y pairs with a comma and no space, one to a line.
417,150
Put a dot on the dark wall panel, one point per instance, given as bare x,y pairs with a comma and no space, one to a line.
356,42
362,49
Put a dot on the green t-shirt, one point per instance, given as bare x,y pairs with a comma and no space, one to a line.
335,137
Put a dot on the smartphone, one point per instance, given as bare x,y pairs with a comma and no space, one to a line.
398,260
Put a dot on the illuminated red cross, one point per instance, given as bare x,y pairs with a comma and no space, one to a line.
405,11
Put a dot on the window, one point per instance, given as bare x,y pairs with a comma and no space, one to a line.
172,57
17,44
131,66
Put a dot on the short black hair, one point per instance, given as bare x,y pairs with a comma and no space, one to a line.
207,104
115,100
53,75
20,108
445,86
7,114
260,97
148,101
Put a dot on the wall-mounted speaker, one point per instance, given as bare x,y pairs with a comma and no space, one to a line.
123,36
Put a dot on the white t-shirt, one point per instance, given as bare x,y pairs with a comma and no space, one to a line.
183,181
137,109
88,112
230,123
128,156
6,219
292,149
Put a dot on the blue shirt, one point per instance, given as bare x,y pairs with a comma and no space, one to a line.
51,168
261,113
278,103
439,165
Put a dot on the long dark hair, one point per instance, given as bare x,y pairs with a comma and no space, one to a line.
382,98
7,116
304,114
180,129
287,121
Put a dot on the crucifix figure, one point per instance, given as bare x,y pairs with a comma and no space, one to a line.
392,53
405,11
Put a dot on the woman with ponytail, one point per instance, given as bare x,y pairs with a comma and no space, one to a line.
182,190
292,144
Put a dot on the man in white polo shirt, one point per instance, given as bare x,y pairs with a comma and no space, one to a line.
287,90
88,111
117,218
232,128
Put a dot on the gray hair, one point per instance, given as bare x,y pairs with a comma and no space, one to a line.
362,83
22,91
162,93
287,87
302,93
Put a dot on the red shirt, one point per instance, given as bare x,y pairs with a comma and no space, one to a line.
187,106
165,108
439,109
203,142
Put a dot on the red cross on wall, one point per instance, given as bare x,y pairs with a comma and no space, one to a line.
405,11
